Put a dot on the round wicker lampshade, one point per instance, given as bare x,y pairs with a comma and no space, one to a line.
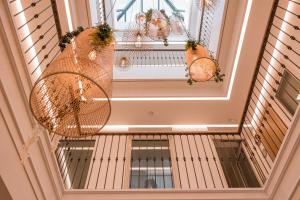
201,66
104,56
202,69
70,98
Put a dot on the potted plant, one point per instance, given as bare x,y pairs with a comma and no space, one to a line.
102,36
194,50
201,65
102,42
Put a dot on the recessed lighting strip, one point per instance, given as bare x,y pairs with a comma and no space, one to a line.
176,126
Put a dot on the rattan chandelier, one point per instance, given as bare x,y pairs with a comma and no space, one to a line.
202,67
72,96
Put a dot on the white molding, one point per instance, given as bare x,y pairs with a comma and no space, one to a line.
142,194
284,157
295,189
17,139
16,57
20,138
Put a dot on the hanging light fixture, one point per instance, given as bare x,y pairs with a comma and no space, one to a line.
201,65
72,96
176,25
140,18
138,42
134,44
202,69
100,51
157,25
123,63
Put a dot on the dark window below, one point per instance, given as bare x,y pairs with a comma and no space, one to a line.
150,164
288,91
236,167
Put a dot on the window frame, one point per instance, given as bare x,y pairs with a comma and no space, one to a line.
172,160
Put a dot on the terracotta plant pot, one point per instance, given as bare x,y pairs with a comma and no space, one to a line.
192,55
201,66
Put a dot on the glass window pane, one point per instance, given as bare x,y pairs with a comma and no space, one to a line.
134,181
288,91
237,169
151,165
168,182
74,158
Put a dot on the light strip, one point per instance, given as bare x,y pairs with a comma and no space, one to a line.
159,65
232,78
69,16
178,126
150,42
181,128
241,41
169,99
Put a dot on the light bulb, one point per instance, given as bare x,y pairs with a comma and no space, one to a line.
138,43
93,55
123,62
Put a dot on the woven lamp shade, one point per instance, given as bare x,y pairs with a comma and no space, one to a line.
71,97
102,56
201,66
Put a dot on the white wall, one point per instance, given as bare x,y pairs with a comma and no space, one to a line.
26,165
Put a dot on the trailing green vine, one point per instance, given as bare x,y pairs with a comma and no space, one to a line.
66,39
191,44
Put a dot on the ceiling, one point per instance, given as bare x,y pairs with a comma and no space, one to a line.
166,101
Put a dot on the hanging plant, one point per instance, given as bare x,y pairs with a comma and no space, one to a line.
219,77
103,36
191,44
157,25
148,15
202,66
66,39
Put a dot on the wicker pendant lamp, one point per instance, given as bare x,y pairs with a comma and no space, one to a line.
200,64
103,56
71,97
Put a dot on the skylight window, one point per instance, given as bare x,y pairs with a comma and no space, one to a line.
125,11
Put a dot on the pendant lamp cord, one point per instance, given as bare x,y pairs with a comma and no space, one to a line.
181,18
110,11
